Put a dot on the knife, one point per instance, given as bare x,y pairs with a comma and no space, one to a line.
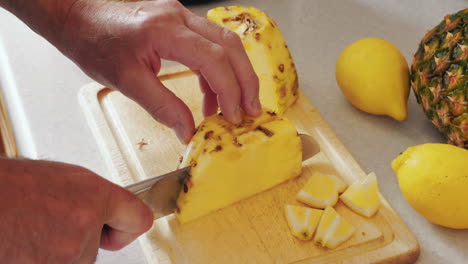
160,193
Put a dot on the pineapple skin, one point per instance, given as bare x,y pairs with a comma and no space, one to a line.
267,51
439,77
232,162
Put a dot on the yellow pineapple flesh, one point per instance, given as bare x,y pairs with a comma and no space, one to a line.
363,196
267,51
333,229
321,190
232,162
302,221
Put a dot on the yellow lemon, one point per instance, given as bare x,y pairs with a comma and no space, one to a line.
434,180
363,196
321,190
302,221
333,229
374,76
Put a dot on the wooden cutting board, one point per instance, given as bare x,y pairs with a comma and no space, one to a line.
8,146
254,230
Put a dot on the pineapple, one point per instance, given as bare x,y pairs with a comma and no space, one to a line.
267,51
333,229
321,190
439,77
363,196
302,221
232,162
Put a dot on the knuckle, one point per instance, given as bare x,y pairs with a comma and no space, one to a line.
217,52
160,111
199,44
170,12
158,20
252,79
174,4
230,38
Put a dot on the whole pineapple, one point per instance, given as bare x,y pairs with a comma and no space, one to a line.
439,77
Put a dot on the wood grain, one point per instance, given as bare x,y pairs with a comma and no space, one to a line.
254,230
7,138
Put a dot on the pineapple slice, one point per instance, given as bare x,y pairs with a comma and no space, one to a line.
333,229
363,196
267,51
328,221
232,162
321,190
302,220
340,184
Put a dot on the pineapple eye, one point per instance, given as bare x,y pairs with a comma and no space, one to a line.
208,134
265,131
281,67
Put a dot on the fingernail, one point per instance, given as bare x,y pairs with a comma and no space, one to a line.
237,114
256,106
181,133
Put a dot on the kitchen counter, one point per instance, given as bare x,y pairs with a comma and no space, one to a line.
41,85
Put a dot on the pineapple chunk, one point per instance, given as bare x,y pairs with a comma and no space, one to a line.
321,190
363,196
232,162
340,184
267,51
302,221
333,229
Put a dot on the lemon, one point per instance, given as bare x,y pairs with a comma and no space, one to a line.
333,229
374,76
434,180
363,196
302,221
321,190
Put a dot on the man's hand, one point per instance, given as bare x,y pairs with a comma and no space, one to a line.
121,44
60,213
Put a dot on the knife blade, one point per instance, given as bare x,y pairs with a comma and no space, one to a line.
160,193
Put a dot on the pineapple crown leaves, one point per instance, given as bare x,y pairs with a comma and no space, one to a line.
439,76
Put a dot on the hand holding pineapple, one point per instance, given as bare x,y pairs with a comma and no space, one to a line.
121,44
267,50
262,151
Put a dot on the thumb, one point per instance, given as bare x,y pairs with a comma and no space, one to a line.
127,218
161,103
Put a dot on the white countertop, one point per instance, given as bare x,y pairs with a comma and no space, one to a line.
41,86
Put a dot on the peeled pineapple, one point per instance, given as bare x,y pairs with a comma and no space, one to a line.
232,162
267,51
333,229
321,190
363,196
302,221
